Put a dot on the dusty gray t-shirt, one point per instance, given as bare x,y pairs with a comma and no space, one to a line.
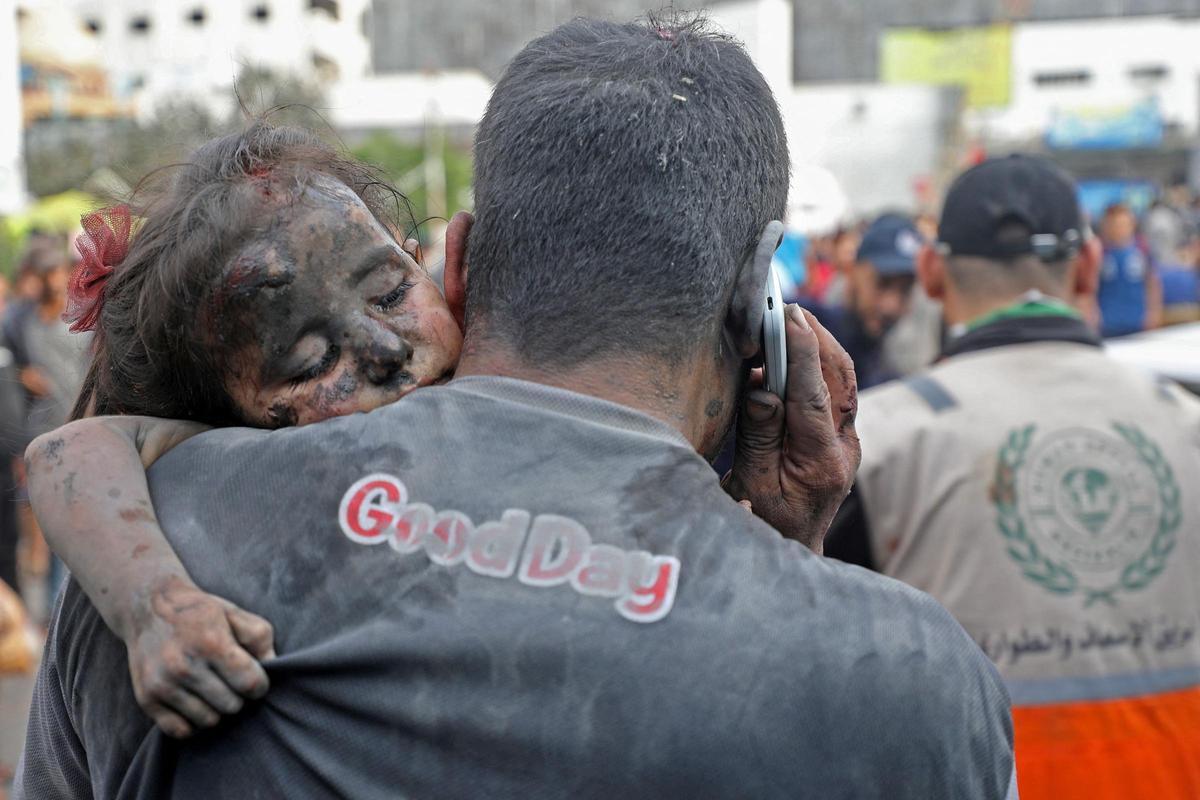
499,589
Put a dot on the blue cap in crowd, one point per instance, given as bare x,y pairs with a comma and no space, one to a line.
891,245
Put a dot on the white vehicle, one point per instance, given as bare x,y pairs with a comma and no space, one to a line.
1170,352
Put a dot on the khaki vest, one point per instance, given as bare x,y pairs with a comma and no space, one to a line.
1049,497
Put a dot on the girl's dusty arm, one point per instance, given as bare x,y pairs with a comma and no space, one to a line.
192,656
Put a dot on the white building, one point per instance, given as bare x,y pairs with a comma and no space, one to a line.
12,178
1097,68
158,50
883,143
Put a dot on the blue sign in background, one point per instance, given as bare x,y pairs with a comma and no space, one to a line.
1138,126
1097,195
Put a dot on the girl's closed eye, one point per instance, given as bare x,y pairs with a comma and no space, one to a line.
320,367
395,297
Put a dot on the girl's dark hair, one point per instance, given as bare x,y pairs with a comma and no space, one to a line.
156,350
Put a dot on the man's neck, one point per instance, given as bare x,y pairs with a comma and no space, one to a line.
958,310
685,396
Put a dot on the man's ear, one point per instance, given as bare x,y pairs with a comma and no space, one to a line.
743,321
454,275
1086,281
931,272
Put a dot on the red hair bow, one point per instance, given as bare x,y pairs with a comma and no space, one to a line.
103,245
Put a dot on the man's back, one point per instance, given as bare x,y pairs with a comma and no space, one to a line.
1047,496
740,665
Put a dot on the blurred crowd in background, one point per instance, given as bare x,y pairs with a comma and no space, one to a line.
861,280
874,141
106,95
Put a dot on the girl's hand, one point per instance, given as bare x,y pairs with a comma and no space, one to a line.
195,657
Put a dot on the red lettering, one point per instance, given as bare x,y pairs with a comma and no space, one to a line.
369,507
652,584
554,551
603,572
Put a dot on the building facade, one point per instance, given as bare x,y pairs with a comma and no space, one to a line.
1115,67
418,35
154,51
12,174
839,41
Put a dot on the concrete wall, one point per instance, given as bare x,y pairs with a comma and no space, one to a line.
839,41
424,72
408,35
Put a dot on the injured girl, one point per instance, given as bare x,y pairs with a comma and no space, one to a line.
264,286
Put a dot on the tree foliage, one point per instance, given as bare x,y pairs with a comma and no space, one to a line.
63,154
403,163
66,154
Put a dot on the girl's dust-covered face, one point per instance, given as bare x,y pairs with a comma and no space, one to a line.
327,314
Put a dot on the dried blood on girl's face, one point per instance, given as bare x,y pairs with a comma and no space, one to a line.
329,314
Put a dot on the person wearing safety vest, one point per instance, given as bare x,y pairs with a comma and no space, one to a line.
1048,496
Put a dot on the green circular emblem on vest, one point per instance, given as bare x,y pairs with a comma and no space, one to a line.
1088,498
1086,511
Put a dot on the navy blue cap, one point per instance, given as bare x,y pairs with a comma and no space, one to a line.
891,245
1012,206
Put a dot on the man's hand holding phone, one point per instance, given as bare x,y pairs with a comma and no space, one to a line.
796,457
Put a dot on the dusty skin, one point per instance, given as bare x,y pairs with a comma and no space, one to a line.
331,316
339,317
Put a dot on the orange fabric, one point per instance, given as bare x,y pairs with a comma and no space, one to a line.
16,653
1143,747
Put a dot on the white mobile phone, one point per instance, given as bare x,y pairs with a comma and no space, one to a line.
774,342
